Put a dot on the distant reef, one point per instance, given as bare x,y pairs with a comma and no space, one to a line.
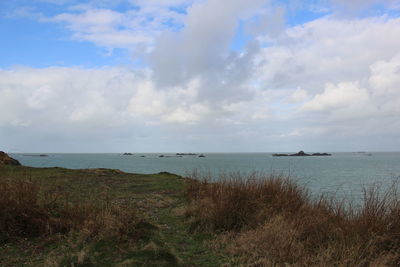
301,154
7,160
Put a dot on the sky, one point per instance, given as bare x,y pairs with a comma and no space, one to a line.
199,75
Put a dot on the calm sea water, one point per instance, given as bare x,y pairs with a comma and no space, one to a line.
341,173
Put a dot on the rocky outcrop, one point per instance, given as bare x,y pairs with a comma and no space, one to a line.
7,160
35,155
321,154
301,154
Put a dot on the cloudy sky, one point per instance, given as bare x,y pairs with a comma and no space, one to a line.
199,75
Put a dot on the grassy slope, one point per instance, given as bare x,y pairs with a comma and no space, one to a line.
272,221
158,198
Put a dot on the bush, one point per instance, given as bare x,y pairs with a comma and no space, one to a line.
236,202
270,220
28,210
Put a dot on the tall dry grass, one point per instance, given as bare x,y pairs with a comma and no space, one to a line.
28,210
270,220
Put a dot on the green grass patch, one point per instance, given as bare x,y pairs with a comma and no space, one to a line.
97,217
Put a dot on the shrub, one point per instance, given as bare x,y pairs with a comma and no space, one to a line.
236,202
28,210
270,220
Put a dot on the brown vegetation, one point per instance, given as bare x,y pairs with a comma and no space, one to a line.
7,160
27,210
269,221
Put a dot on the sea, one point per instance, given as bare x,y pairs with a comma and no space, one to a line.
342,174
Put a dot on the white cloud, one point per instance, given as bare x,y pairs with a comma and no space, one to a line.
73,94
343,95
373,108
378,100
12,111
40,97
328,50
92,98
181,116
385,78
131,29
163,2
326,78
203,44
348,74
298,96
385,86
176,105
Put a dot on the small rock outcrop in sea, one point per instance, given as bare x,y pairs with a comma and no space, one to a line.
201,156
186,154
127,154
301,154
280,155
7,160
321,154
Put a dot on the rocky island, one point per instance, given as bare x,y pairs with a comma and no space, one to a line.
35,155
301,154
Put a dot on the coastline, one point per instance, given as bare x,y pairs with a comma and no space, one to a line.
163,219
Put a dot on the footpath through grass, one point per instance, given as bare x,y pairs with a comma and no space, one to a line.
81,220
103,217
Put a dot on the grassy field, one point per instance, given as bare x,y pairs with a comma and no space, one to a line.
97,217
103,217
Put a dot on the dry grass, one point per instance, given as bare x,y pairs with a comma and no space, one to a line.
236,202
28,210
269,221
